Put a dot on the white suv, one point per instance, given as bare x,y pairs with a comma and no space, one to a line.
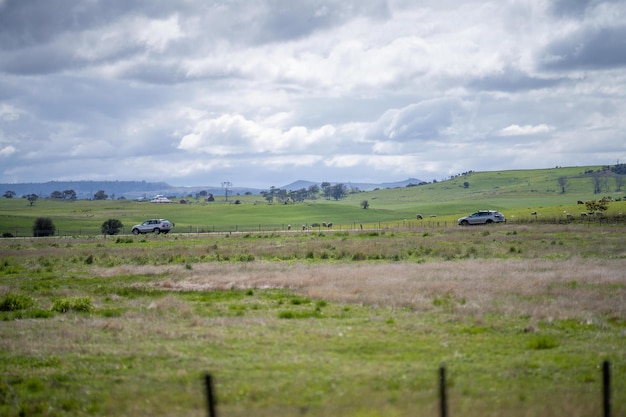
155,226
482,217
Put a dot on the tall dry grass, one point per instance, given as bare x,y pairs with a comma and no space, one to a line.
541,289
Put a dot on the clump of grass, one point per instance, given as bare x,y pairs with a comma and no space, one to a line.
80,304
359,256
14,302
245,257
543,342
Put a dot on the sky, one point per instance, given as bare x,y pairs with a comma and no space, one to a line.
262,93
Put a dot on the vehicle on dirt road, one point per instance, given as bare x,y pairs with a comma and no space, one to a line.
482,217
155,226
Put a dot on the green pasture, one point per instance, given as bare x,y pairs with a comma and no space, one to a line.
116,327
516,193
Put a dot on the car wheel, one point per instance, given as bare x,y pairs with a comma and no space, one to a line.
135,231
157,231
464,223
489,221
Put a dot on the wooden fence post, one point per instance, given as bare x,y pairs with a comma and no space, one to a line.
606,388
209,395
442,391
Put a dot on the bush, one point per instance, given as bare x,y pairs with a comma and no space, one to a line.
14,302
82,304
43,226
111,227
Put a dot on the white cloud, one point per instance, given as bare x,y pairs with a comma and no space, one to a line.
517,130
7,150
8,112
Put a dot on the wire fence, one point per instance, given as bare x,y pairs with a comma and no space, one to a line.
605,393
398,225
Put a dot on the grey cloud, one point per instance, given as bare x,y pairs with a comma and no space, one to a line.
594,48
32,22
574,8
289,20
512,80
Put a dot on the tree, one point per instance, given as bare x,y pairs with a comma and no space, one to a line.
365,204
619,182
100,195
597,206
597,183
43,226
338,191
32,198
111,227
56,195
9,194
326,189
69,195
226,185
466,184
562,183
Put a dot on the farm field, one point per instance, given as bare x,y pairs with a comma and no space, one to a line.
338,321
517,194
322,323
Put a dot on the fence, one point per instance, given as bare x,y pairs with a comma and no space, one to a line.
443,394
406,224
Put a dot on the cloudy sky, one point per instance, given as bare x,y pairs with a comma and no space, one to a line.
266,92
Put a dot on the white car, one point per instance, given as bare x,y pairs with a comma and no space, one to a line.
160,199
155,226
482,217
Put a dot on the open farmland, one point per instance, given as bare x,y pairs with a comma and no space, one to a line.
323,322
320,323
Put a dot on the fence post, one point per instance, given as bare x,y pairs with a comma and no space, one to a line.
209,395
606,388
442,391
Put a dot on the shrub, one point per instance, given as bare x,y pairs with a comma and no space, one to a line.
81,304
14,302
43,226
111,227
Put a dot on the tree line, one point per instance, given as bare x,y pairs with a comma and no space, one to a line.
327,190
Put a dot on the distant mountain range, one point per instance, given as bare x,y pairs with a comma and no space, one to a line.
138,189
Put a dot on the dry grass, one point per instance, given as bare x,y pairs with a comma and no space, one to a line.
578,288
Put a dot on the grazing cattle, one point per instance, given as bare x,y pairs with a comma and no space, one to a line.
534,213
581,202
288,227
419,217
583,214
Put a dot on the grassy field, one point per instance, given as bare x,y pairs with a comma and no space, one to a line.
516,193
337,322
319,324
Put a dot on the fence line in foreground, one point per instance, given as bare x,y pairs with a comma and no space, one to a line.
443,396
